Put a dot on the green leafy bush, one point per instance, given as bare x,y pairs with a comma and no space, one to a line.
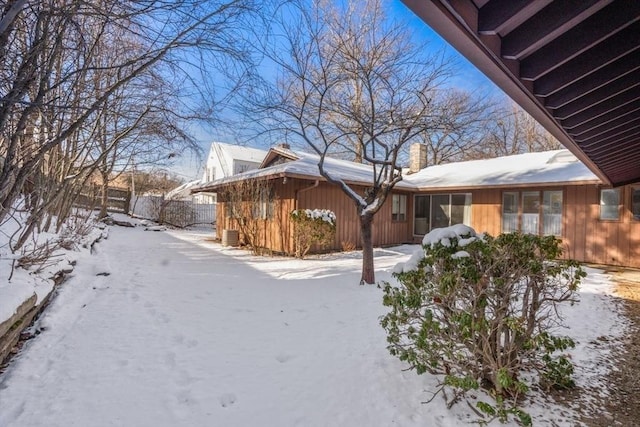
480,311
317,226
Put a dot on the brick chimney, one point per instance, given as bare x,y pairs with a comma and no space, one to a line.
417,157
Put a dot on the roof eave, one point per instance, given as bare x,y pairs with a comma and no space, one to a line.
425,189
452,27
212,187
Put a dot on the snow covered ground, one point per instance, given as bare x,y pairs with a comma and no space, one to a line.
169,329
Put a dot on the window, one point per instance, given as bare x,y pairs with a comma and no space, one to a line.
510,211
460,209
635,202
421,219
233,210
552,213
609,204
530,212
399,207
531,216
440,210
240,166
263,209
211,173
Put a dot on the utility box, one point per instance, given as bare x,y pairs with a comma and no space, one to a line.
230,237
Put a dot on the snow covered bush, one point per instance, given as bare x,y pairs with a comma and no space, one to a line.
481,312
317,226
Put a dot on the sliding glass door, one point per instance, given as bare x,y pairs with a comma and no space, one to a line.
440,210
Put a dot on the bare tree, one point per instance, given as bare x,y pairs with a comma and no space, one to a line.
52,77
137,127
155,181
512,131
88,85
461,126
350,81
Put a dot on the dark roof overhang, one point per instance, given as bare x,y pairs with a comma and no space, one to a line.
574,65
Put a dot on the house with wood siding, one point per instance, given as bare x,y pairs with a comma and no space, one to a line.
548,193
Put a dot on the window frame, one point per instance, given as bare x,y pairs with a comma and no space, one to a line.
548,211
211,173
399,207
428,213
264,207
601,205
519,197
633,189
516,198
524,210
429,207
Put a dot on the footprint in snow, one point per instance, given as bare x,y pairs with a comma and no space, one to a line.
184,397
282,358
227,399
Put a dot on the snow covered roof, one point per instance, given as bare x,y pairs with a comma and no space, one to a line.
279,152
305,166
238,152
548,167
183,190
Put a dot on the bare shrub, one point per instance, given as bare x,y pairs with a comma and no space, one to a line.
77,226
250,206
348,246
40,256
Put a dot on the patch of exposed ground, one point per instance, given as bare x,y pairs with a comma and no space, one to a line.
623,404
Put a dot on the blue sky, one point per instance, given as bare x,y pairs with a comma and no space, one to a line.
467,77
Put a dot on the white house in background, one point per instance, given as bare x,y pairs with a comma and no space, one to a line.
225,160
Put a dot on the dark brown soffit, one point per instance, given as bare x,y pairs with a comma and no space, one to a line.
574,65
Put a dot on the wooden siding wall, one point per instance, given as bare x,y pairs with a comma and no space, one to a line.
589,239
277,233
585,237
486,211
385,231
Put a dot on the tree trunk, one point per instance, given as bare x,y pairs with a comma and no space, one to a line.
104,198
368,272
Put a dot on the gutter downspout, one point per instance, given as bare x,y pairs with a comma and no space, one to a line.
302,190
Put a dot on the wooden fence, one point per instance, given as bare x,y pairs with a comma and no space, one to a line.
118,199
